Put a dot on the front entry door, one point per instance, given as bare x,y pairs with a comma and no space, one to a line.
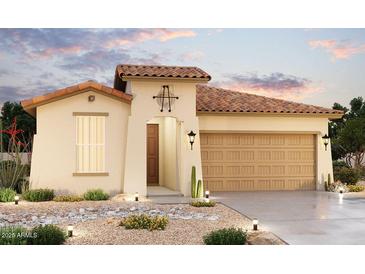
152,154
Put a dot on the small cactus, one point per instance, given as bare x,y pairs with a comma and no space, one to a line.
199,189
193,182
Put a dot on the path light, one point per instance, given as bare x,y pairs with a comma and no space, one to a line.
16,199
326,140
255,224
191,135
207,194
340,195
136,197
70,230
206,200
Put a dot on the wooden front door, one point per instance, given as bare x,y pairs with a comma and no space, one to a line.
152,154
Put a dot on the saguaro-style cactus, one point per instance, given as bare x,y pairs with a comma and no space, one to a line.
193,182
199,189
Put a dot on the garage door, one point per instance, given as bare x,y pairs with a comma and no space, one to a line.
258,162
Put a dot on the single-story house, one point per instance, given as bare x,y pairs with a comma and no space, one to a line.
140,133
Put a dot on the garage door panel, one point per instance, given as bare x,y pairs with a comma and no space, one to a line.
249,162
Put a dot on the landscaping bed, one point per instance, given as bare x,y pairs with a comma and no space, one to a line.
98,222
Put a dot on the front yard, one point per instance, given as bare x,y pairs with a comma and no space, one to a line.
97,222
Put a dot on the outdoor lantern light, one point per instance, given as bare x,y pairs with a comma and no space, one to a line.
191,135
16,199
70,230
255,224
326,140
207,194
136,197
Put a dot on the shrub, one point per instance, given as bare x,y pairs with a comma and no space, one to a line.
355,188
347,175
47,235
68,198
226,236
145,221
7,195
13,235
339,164
38,195
203,203
96,195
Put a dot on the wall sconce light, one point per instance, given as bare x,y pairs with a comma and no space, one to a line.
326,140
70,230
16,199
255,224
191,135
136,197
207,194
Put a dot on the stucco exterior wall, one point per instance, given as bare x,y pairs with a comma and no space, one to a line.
54,149
145,108
272,124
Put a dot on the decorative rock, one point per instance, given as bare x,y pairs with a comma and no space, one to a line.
81,210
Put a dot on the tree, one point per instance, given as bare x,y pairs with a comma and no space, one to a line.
351,139
11,110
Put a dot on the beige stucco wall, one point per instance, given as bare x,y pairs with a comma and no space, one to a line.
270,124
143,109
54,150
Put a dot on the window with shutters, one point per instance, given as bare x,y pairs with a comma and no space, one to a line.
90,144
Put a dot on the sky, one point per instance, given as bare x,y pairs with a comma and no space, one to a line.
313,66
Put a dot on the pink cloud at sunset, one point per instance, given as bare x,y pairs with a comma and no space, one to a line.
161,35
276,85
338,49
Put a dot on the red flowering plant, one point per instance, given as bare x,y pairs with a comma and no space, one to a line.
12,170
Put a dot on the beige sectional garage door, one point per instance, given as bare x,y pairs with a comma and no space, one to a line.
258,162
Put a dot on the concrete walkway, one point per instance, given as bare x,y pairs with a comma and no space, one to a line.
304,217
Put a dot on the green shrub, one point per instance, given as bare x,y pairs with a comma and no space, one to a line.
47,235
38,195
7,195
11,173
68,198
355,188
203,203
13,235
145,221
96,195
347,175
339,164
226,236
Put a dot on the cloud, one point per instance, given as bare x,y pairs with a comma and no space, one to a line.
276,84
49,43
192,56
338,49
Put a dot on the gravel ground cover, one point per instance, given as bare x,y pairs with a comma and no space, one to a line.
97,223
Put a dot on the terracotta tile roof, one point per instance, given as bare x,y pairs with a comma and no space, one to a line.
211,99
162,71
30,104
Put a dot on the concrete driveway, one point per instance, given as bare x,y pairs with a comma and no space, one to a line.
303,217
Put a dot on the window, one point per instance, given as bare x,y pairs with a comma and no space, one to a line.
90,144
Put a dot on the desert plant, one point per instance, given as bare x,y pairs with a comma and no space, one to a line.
13,235
355,188
38,195
199,189
226,236
95,195
145,221
347,175
47,235
68,198
7,195
193,182
203,203
11,172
